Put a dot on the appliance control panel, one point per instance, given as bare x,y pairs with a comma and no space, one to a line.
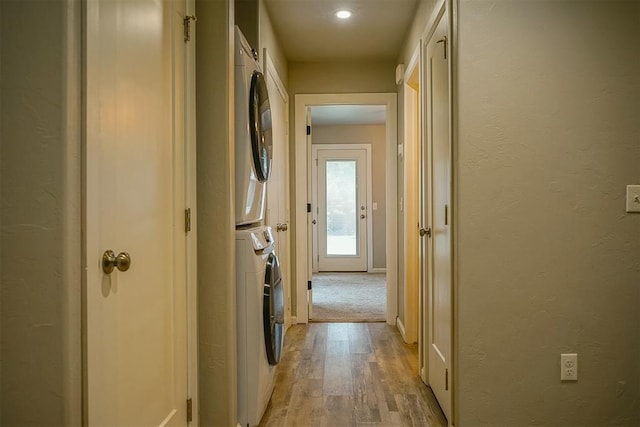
262,240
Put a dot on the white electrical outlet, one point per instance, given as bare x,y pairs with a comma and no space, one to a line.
633,198
569,367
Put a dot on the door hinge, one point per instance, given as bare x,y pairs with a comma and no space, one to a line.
308,130
446,214
444,40
446,379
189,410
187,26
187,220
309,287
308,207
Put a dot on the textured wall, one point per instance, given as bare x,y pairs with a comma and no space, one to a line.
269,41
376,136
424,12
40,260
549,135
216,224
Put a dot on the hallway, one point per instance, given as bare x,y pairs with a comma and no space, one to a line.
350,374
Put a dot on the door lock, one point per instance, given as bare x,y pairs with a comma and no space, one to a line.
110,261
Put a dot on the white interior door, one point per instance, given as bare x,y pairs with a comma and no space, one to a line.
136,372
440,285
277,215
342,212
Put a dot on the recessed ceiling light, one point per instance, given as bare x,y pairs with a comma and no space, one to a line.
343,14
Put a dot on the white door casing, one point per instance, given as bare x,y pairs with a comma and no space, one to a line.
303,191
277,207
330,256
190,200
438,145
136,324
410,206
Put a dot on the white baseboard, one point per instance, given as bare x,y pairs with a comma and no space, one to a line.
378,270
400,326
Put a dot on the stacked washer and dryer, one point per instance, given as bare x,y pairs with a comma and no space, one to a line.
260,291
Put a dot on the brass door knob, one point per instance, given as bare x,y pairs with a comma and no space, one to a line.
425,232
110,261
282,227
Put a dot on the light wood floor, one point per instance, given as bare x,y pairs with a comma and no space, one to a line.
350,374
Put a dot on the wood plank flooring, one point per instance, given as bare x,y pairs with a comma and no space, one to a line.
350,374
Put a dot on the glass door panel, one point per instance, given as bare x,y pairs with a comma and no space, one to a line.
342,223
342,203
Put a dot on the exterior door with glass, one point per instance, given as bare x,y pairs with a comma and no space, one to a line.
342,209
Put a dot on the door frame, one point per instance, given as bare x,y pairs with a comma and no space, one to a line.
315,239
410,327
303,226
186,194
191,203
270,70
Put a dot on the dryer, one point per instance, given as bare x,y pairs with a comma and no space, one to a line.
260,320
253,135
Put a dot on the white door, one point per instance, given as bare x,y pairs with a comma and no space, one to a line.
342,209
439,289
277,215
136,371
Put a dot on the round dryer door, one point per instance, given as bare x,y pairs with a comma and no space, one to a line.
273,310
260,126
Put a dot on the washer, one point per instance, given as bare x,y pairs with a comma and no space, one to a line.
260,320
254,144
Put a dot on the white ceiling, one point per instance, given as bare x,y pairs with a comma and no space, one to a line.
309,31
337,115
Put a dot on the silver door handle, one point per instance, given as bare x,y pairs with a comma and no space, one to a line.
110,261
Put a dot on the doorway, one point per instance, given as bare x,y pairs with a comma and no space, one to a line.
306,213
348,236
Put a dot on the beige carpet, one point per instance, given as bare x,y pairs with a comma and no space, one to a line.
349,297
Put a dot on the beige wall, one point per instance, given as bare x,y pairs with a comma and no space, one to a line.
269,41
247,18
216,222
423,17
341,77
376,137
548,138
40,257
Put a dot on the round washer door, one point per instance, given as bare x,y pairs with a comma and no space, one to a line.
273,310
260,126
